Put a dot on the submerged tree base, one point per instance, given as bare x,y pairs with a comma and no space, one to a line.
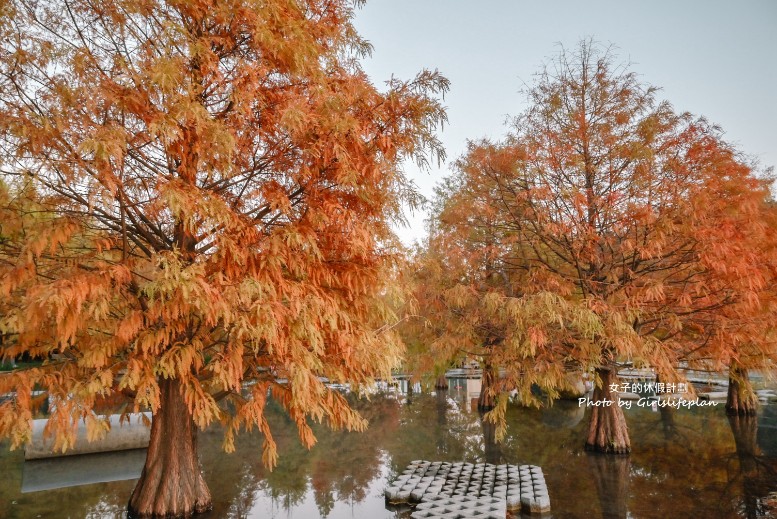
441,382
741,400
607,430
608,449
171,485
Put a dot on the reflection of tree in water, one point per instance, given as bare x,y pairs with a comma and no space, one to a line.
679,458
667,421
611,475
756,473
685,463
492,449
88,501
287,484
563,414
340,467
682,463
460,435
345,464
433,427
236,479
441,408
684,457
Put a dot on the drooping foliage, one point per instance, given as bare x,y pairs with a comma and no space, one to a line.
605,228
212,184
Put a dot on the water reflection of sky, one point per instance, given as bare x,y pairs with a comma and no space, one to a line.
685,463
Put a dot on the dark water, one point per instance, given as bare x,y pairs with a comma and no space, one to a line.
685,463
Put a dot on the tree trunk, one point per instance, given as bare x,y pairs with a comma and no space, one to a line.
171,484
741,400
441,382
487,399
607,430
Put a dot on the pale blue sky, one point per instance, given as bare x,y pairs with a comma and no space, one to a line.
710,57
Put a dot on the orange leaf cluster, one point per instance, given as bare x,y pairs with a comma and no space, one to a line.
605,228
199,191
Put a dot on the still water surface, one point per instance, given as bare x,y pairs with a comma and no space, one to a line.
685,463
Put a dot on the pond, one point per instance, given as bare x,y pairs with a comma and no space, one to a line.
685,463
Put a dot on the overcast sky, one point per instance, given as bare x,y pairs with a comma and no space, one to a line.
713,58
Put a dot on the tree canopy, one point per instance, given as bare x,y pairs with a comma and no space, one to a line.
198,207
606,227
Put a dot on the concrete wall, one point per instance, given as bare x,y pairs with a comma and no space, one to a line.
132,435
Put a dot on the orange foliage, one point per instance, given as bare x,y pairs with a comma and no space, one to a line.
604,228
198,191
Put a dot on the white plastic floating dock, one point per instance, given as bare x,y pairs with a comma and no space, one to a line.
460,506
466,490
